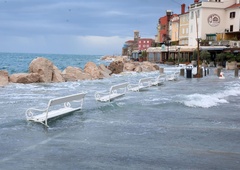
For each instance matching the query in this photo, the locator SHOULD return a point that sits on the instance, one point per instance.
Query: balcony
(227, 43)
(196, 5)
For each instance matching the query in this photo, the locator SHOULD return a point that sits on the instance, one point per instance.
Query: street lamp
(178, 54)
(198, 56)
(168, 14)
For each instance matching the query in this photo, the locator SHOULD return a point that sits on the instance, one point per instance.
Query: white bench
(114, 92)
(159, 80)
(142, 83)
(172, 76)
(56, 107)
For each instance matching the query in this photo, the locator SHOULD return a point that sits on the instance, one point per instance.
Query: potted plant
(205, 57)
(170, 61)
(231, 63)
(220, 58)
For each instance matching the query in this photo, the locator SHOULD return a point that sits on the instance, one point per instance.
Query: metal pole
(198, 53)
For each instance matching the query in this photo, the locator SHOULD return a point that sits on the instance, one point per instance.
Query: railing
(196, 5)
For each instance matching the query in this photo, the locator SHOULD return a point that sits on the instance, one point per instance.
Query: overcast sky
(78, 26)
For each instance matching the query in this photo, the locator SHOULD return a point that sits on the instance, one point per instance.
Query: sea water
(183, 124)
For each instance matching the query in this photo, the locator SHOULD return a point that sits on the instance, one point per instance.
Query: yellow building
(174, 30)
(183, 26)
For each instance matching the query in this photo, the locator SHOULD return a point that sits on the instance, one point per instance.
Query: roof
(233, 6)
(146, 39)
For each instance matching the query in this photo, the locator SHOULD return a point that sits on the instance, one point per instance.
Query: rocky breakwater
(42, 70)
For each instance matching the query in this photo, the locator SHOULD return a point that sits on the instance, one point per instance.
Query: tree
(205, 55)
(230, 57)
(220, 58)
(195, 55)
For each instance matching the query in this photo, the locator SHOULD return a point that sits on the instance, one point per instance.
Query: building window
(197, 13)
(183, 32)
(192, 15)
(232, 14)
(231, 28)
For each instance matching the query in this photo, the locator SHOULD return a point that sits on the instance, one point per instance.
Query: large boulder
(156, 66)
(92, 69)
(4, 79)
(116, 67)
(115, 58)
(121, 58)
(104, 68)
(105, 72)
(129, 66)
(43, 67)
(148, 67)
(138, 69)
(74, 73)
(57, 75)
(25, 78)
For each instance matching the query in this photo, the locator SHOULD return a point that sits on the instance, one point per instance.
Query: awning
(210, 34)
(213, 48)
(187, 49)
(154, 50)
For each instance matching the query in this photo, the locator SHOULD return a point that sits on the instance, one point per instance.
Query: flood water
(183, 124)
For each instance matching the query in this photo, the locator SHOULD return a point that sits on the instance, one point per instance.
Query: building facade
(145, 43)
(183, 26)
(208, 19)
(174, 30)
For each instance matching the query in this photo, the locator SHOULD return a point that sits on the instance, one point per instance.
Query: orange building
(164, 27)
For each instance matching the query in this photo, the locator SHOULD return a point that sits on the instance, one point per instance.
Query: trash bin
(189, 72)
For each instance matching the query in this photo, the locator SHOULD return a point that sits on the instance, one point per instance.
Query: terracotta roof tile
(233, 6)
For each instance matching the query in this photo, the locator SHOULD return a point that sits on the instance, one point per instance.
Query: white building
(209, 19)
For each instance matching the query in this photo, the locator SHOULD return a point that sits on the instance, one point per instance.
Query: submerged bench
(173, 75)
(142, 83)
(114, 92)
(159, 80)
(56, 107)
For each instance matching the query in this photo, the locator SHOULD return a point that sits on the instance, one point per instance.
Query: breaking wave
(211, 100)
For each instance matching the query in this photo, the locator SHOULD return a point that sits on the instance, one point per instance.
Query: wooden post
(218, 71)
(200, 72)
(182, 72)
(161, 70)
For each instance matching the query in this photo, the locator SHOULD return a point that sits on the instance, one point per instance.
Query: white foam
(210, 100)
(202, 100)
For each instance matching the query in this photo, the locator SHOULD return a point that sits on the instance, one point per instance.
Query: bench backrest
(118, 86)
(65, 99)
(145, 80)
(161, 76)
